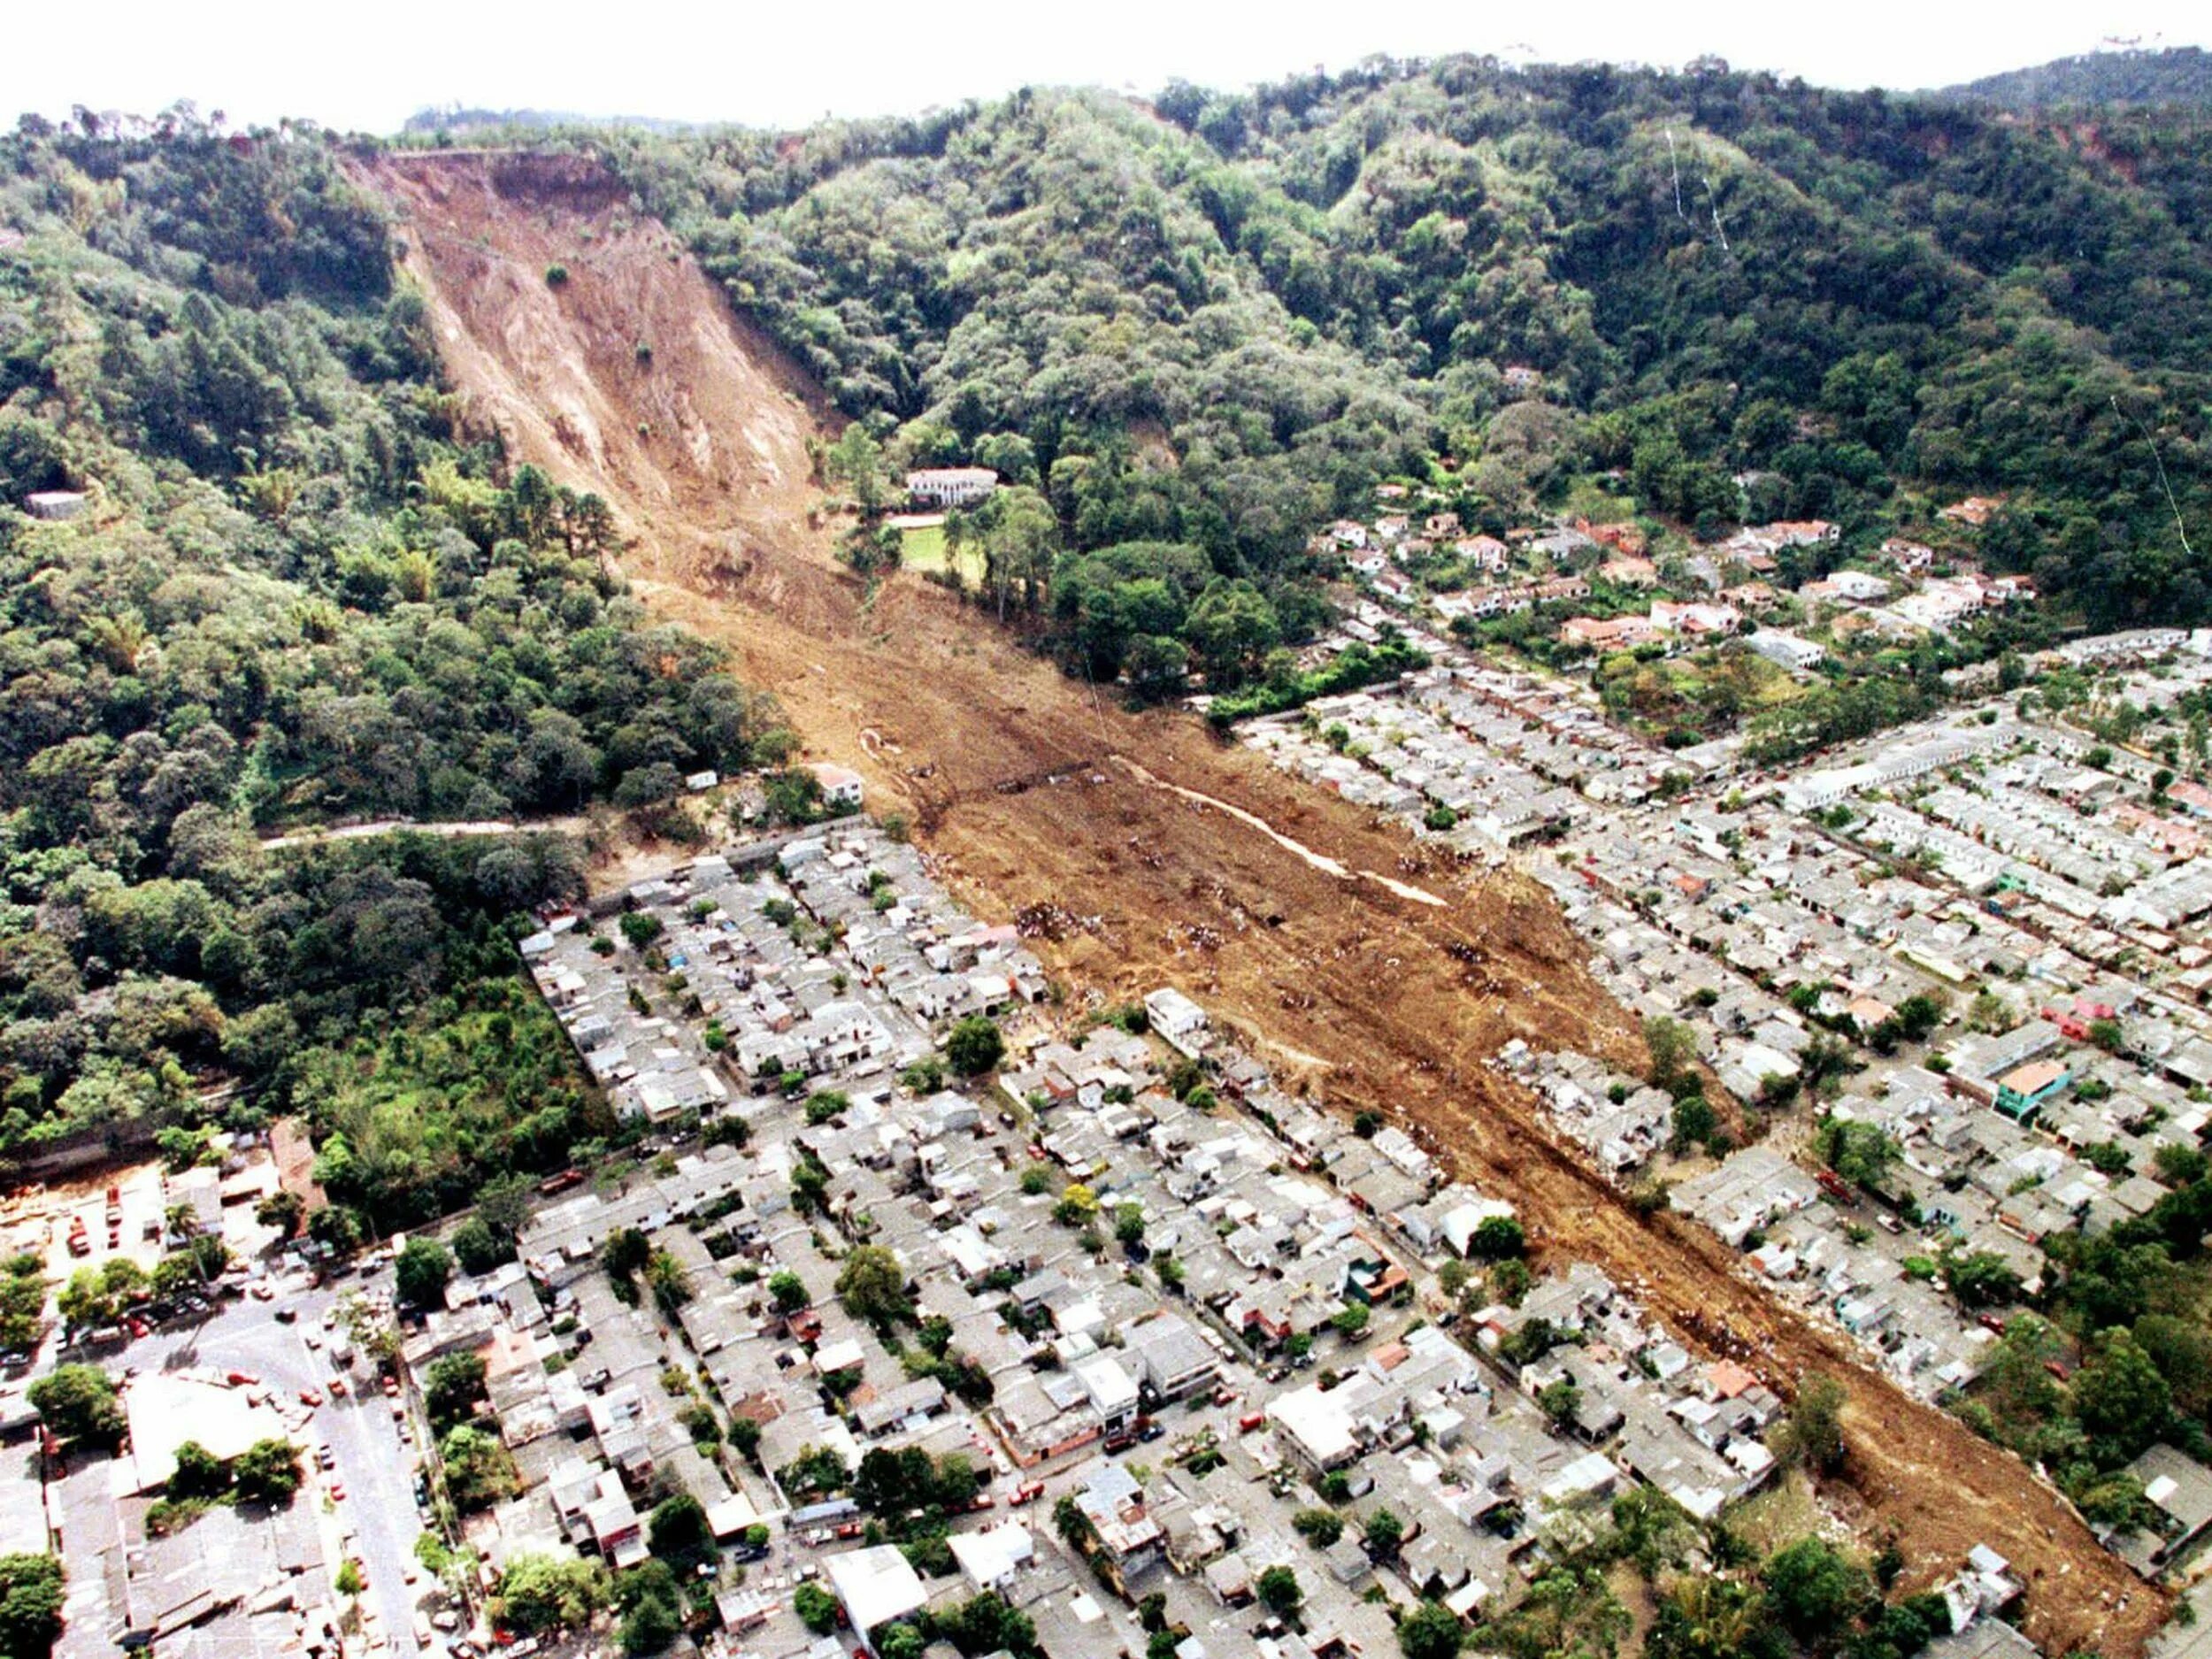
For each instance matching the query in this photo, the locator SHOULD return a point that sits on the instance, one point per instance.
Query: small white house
(842, 787)
(54, 505)
(1790, 651)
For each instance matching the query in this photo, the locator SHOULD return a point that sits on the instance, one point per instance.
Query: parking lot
(364, 1503)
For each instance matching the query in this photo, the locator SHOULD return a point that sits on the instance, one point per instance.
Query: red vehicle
(561, 1183)
(241, 1379)
(337, 1388)
(1029, 1494)
(310, 1398)
(1250, 1421)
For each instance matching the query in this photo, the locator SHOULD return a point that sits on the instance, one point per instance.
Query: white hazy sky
(367, 66)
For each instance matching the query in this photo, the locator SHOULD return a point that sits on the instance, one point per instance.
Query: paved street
(377, 1521)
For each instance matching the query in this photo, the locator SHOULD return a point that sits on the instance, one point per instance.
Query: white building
(1180, 1022)
(950, 486)
(1790, 651)
(842, 787)
(1857, 585)
(54, 505)
(995, 1558)
(874, 1586)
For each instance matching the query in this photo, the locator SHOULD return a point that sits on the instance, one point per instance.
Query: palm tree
(121, 638)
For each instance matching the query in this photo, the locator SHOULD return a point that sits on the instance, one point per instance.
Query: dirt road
(1187, 861)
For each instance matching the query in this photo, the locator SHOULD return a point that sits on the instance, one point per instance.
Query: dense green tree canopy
(1212, 321)
(299, 591)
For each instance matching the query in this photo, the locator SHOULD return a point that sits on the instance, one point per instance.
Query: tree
(97, 1296)
(974, 1046)
(873, 1285)
(451, 1386)
(1814, 1589)
(1383, 1533)
(199, 1473)
(985, 1624)
(30, 1605)
(1497, 1239)
(422, 1271)
(1280, 1593)
(651, 1625)
(1671, 1046)
(788, 1291)
(1694, 1122)
(347, 1581)
(680, 1533)
(478, 1471)
(1129, 1224)
(283, 1211)
(815, 1606)
(856, 461)
(2122, 1401)
(1859, 1152)
(624, 1253)
(543, 1593)
(2182, 1350)
(1560, 1400)
(670, 1284)
(478, 1247)
(1981, 1278)
(1813, 1433)
(1431, 1631)
(745, 1436)
(267, 1472)
(78, 1402)
(1319, 1527)
(1705, 1616)
(1351, 1321)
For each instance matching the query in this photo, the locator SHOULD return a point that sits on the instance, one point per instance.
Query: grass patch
(1785, 1511)
(924, 548)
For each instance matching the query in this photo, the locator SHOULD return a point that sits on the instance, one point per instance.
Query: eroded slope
(1009, 769)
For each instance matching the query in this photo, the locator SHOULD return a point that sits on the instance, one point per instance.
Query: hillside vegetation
(295, 593)
(2178, 74)
(1215, 321)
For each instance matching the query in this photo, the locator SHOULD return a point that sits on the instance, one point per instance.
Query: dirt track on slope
(1011, 772)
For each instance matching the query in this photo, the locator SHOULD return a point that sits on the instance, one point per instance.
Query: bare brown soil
(1363, 996)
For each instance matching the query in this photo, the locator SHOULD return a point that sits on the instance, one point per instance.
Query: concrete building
(875, 1586)
(950, 486)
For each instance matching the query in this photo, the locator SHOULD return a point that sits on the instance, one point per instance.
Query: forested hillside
(1217, 320)
(2178, 74)
(292, 593)
(1187, 332)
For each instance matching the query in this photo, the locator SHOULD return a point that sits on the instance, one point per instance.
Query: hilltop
(2175, 75)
